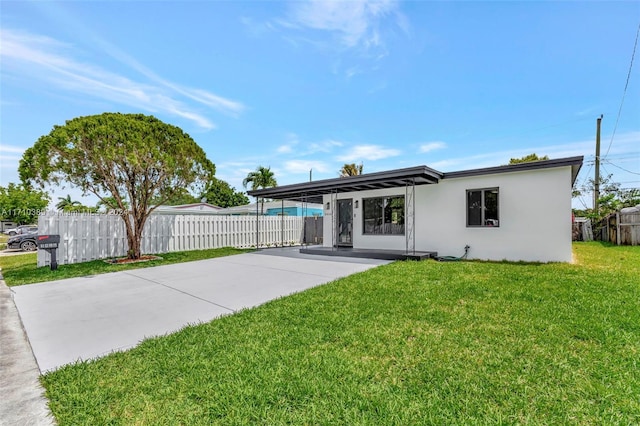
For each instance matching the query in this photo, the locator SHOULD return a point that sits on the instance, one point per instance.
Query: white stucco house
(519, 212)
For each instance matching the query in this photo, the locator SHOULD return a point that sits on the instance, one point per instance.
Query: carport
(314, 192)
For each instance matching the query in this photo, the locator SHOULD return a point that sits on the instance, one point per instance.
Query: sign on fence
(85, 237)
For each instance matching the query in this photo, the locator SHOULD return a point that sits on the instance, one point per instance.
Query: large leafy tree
(130, 157)
(528, 159)
(21, 204)
(352, 169)
(220, 193)
(262, 177)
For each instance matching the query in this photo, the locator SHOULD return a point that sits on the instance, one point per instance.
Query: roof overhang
(312, 192)
(574, 162)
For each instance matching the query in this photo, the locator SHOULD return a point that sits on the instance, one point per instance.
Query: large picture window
(482, 207)
(383, 216)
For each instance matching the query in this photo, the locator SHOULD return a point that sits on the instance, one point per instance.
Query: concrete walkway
(84, 318)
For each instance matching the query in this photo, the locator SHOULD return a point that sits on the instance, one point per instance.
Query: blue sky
(313, 85)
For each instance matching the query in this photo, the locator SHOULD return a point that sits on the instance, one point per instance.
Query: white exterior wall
(534, 210)
(392, 242)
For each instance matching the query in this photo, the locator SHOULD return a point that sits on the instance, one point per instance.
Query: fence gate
(621, 228)
(313, 230)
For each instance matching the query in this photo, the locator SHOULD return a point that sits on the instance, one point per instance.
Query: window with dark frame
(383, 215)
(482, 207)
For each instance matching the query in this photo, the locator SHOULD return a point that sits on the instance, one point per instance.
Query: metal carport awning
(312, 192)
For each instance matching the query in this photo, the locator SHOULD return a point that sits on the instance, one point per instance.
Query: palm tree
(66, 203)
(111, 203)
(262, 177)
(351, 170)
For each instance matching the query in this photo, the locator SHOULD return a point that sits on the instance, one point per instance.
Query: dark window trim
(482, 218)
(404, 207)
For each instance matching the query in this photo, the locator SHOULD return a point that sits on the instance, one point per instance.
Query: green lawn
(21, 269)
(406, 343)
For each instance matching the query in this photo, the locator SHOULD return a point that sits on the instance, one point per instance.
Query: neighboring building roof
(248, 209)
(419, 175)
(190, 208)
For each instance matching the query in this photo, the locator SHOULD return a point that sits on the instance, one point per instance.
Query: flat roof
(313, 191)
(574, 162)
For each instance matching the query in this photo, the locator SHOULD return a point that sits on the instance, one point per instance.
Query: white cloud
(431, 146)
(355, 30)
(9, 161)
(293, 144)
(53, 62)
(324, 146)
(285, 149)
(352, 72)
(368, 152)
(355, 23)
(13, 149)
(303, 166)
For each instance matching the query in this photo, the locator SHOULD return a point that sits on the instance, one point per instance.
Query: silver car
(22, 229)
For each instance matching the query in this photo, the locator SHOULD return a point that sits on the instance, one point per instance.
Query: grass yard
(406, 343)
(21, 269)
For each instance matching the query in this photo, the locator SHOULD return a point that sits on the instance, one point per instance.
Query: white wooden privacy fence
(85, 237)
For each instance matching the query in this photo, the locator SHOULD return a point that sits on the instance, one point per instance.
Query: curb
(23, 401)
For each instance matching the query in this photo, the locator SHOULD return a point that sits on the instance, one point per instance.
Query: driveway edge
(23, 401)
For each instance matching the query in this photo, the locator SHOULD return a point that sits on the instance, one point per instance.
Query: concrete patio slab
(84, 318)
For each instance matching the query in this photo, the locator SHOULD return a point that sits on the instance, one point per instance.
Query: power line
(615, 127)
(621, 168)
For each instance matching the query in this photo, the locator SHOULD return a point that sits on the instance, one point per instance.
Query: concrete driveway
(83, 318)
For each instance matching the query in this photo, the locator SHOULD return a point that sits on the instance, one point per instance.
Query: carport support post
(410, 217)
(305, 212)
(334, 220)
(257, 224)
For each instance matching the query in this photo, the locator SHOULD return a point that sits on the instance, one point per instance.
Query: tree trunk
(134, 251)
(134, 228)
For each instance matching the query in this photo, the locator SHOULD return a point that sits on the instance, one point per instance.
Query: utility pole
(596, 184)
(310, 174)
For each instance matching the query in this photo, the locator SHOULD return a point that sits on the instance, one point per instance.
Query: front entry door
(345, 223)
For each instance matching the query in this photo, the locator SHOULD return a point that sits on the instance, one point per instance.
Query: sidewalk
(22, 401)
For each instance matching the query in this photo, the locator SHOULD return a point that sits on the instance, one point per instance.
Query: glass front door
(345, 222)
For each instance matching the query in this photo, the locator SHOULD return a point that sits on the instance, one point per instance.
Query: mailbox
(50, 244)
(48, 241)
